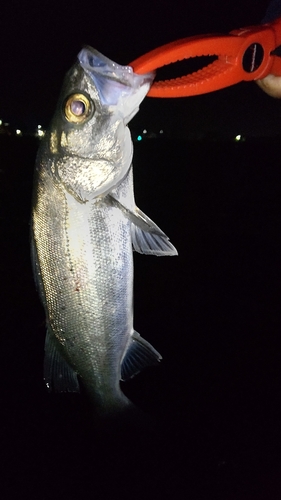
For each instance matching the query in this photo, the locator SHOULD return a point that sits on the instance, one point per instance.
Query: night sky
(213, 312)
(40, 40)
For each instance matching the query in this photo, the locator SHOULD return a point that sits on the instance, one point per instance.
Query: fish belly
(85, 267)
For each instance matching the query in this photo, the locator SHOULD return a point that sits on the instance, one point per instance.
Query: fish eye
(78, 108)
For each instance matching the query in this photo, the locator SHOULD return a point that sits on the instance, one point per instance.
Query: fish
(84, 227)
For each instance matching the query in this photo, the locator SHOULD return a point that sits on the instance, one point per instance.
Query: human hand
(271, 84)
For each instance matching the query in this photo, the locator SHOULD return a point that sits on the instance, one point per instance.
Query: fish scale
(85, 225)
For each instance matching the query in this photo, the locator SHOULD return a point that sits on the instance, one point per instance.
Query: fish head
(89, 140)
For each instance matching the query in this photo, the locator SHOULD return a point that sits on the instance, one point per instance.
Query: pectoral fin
(147, 237)
(151, 243)
(58, 375)
(139, 355)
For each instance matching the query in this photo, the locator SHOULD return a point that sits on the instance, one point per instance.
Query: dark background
(213, 312)
(40, 40)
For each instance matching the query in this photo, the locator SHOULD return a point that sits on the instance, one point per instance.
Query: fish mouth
(117, 85)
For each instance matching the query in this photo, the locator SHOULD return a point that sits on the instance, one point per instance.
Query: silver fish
(85, 225)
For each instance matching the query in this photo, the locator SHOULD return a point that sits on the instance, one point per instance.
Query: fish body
(84, 226)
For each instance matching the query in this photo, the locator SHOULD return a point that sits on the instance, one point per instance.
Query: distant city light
(18, 131)
(144, 131)
(139, 138)
(39, 127)
(238, 138)
(40, 133)
(1, 122)
(161, 131)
